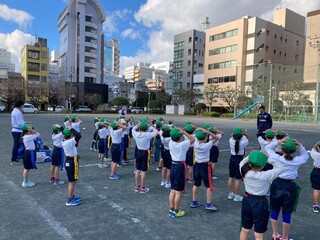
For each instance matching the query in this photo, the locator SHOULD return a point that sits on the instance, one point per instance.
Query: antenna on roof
(205, 24)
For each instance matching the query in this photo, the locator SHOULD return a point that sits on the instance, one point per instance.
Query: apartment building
(81, 47)
(112, 57)
(5, 61)
(252, 49)
(35, 72)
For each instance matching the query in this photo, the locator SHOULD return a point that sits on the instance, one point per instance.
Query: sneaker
(163, 183)
(58, 182)
(137, 189)
(91, 149)
(210, 207)
(180, 213)
(15, 162)
(189, 181)
(135, 171)
(126, 163)
(77, 198)
(168, 185)
(276, 237)
(237, 198)
(114, 177)
(28, 184)
(214, 177)
(231, 196)
(316, 208)
(72, 202)
(96, 150)
(172, 214)
(52, 180)
(159, 169)
(144, 190)
(194, 204)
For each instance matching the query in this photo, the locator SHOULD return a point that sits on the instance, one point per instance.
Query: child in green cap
(214, 151)
(255, 206)
(29, 156)
(238, 142)
(315, 176)
(67, 121)
(166, 157)
(190, 129)
(57, 155)
(283, 193)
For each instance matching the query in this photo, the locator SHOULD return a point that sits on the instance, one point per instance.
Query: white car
(136, 110)
(60, 109)
(83, 109)
(50, 108)
(29, 108)
(2, 108)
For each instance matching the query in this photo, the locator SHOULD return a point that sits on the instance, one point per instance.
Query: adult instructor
(264, 122)
(16, 121)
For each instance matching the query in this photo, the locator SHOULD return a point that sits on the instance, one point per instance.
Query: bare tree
(293, 92)
(38, 94)
(229, 96)
(11, 90)
(210, 93)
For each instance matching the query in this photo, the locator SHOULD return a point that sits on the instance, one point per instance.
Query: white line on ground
(31, 202)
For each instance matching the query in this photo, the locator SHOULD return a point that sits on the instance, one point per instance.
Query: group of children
(190, 154)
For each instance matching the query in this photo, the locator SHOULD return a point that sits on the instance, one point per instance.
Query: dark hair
(18, 103)
(263, 107)
(236, 146)
(288, 156)
(245, 169)
(279, 137)
(166, 134)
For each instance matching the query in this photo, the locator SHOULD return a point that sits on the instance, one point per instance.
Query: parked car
(2, 108)
(29, 108)
(83, 109)
(50, 108)
(136, 110)
(60, 109)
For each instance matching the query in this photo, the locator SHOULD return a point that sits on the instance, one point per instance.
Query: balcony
(92, 35)
(91, 45)
(90, 24)
(89, 54)
(91, 65)
(90, 75)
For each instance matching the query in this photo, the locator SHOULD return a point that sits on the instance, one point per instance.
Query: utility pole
(270, 86)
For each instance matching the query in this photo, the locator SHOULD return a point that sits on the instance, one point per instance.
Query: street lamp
(315, 44)
(148, 101)
(270, 86)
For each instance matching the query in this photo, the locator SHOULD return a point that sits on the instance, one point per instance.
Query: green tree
(120, 101)
(200, 107)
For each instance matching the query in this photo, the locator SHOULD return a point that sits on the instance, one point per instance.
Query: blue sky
(145, 28)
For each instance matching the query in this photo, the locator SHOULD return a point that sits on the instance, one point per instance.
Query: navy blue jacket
(264, 122)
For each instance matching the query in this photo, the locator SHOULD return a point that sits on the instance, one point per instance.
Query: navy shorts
(142, 160)
(214, 154)
(95, 136)
(315, 178)
(255, 211)
(202, 171)
(126, 140)
(103, 146)
(72, 168)
(29, 160)
(283, 195)
(234, 171)
(189, 156)
(115, 153)
(57, 156)
(178, 176)
(167, 160)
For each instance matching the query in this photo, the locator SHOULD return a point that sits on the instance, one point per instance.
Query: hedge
(211, 114)
(156, 111)
(189, 113)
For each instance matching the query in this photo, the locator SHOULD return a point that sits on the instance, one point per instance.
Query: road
(112, 210)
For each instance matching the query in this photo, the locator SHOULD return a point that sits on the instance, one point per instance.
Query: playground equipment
(244, 111)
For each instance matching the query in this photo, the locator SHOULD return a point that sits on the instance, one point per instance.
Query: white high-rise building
(112, 57)
(81, 48)
(5, 61)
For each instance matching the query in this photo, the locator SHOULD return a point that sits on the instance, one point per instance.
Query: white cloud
(130, 33)
(110, 25)
(166, 18)
(18, 16)
(14, 43)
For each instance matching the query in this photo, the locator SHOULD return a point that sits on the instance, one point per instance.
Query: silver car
(60, 109)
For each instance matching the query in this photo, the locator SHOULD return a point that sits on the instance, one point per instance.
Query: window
(189, 63)
(280, 53)
(295, 70)
(222, 79)
(286, 40)
(222, 65)
(43, 67)
(178, 54)
(33, 54)
(33, 78)
(188, 74)
(268, 32)
(223, 35)
(190, 39)
(274, 51)
(275, 36)
(196, 52)
(44, 54)
(189, 52)
(297, 43)
(281, 38)
(296, 57)
(227, 49)
(34, 67)
(188, 85)
(43, 79)
(285, 54)
(178, 45)
(88, 18)
(196, 40)
(200, 65)
(267, 48)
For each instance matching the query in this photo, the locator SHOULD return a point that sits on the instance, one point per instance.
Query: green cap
(289, 145)
(280, 133)
(212, 129)
(237, 132)
(189, 129)
(158, 123)
(175, 134)
(318, 143)
(24, 127)
(161, 119)
(54, 128)
(66, 118)
(132, 118)
(206, 126)
(165, 128)
(114, 125)
(188, 123)
(101, 119)
(144, 126)
(67, 133)
(200, 135)
(73, 118)
(257, 159)
(269, 134)
(170, 121)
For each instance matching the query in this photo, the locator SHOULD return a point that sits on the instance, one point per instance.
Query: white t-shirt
(67, 124)
(165, 142)
(202, 151)
(76, 126)
(178, 150)
(17, 120)
(103, 133)
(316, 157)
(263, 143)
(143, 138)
(115, 135)
(57, 139)
(28, 141)
(69, 147)
(242, 145)
(258, 183)
(96, 125)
